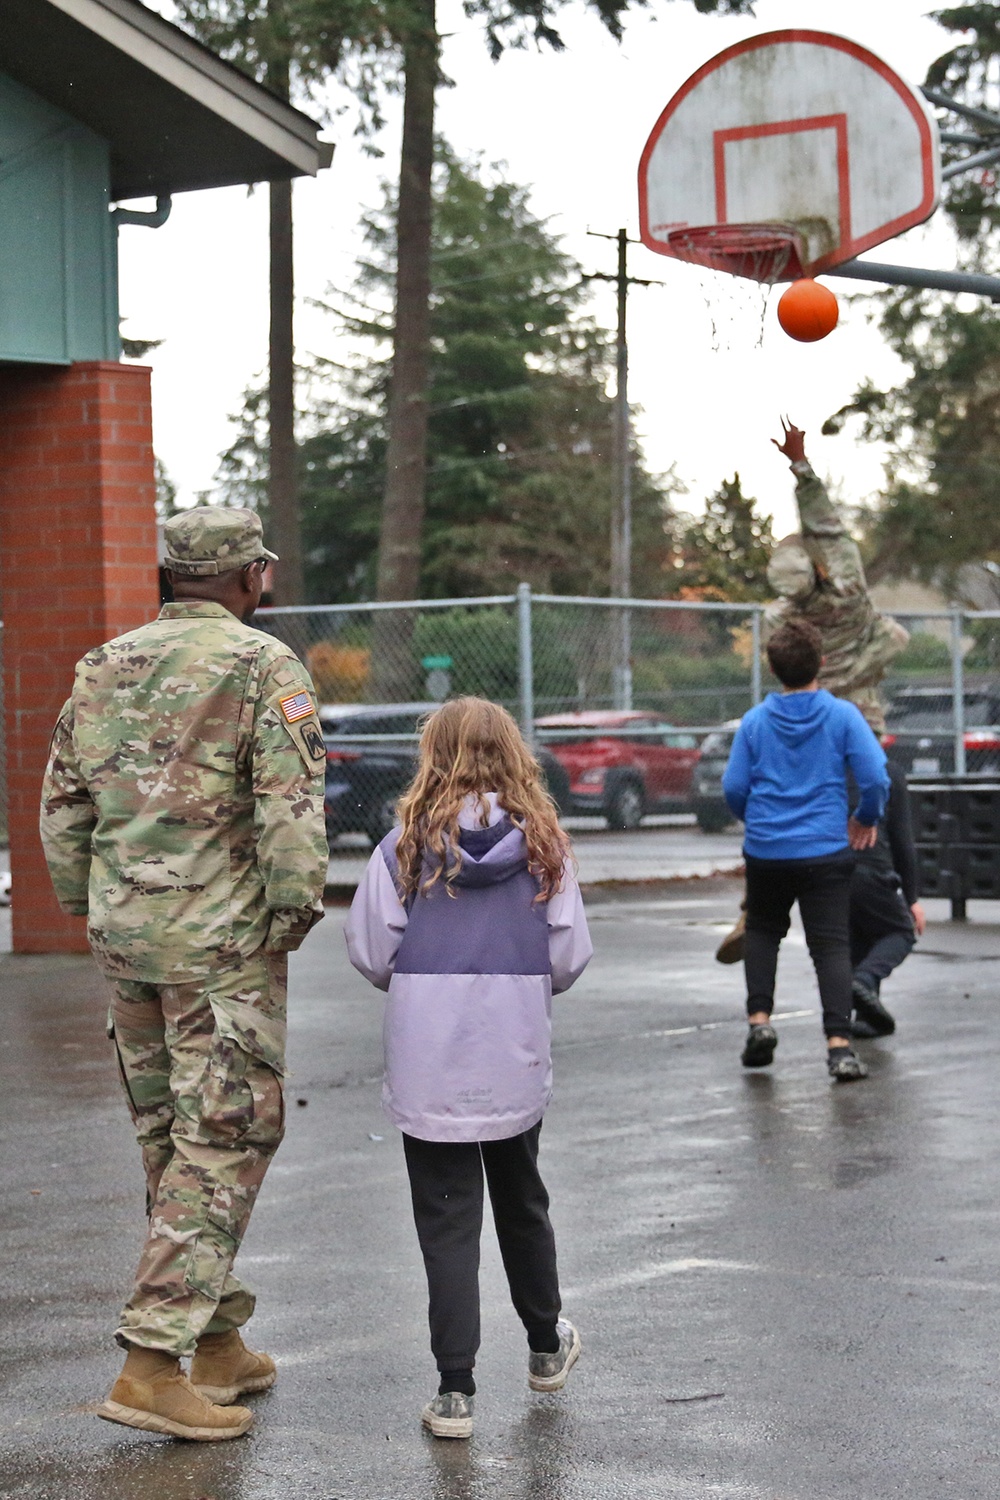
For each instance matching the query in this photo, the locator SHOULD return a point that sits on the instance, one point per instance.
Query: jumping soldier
(182, 813)
(818, 576)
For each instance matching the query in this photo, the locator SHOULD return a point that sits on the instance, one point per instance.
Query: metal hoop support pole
(755, 666)
(958, 689)
(525, 663)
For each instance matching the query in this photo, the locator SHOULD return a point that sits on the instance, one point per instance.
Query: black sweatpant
(882, 931)
(822, 888)
(446, 1184)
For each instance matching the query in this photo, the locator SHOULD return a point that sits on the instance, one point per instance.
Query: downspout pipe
(151, 219)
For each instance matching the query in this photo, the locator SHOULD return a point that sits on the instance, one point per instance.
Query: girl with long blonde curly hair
(470, 916)
(469, 748)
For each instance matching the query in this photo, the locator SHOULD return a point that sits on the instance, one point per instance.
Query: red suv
(623, 763)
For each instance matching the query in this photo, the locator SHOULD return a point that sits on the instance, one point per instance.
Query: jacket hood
(796, 717)
(491, 853)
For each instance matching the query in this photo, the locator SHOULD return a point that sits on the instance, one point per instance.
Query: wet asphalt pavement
(787, 1290)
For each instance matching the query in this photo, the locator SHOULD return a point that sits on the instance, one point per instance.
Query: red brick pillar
(77, 567)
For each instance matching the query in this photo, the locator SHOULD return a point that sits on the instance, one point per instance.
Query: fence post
(525, 662)
(755, 683)
(958, 689)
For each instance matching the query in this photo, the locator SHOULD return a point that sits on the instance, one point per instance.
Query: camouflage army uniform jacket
(858, 642)
(182, 808)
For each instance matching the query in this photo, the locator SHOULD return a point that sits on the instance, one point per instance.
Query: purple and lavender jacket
(468, 1022)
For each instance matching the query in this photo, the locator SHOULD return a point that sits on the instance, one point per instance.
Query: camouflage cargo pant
(201, 1066)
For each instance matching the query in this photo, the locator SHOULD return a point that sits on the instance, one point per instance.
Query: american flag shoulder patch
(297, 706)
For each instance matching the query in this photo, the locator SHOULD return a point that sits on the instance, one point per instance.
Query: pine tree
(942, 424)
(506, 23)
(724, 553)
(520, 423)
(280, 40)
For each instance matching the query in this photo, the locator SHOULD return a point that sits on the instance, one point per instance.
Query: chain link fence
(679, 671)
(538, 654)
(567, 668)
(943, 695)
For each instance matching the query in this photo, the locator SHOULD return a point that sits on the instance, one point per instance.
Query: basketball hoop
(761, 252)
(786, 155)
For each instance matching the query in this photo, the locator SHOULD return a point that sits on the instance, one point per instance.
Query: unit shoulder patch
(312, 739)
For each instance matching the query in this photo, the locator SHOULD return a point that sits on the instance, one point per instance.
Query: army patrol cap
(790, 572)
(212, 539)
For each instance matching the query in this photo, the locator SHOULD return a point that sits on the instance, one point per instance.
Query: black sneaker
(869, 1009)
(861, 1030)
(844, 1065)
(760, 1044)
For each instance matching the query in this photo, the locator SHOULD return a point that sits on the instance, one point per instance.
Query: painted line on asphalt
(654, 1270)
(642, 1036)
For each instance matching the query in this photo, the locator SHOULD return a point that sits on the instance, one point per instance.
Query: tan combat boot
(730, 950)
(153, 1393)
(224, 1368)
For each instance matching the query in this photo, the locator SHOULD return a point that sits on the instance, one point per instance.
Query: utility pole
(282, 489)
(284, 517)
(621, 509)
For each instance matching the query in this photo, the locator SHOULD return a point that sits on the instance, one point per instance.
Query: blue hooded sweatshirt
(786, 775)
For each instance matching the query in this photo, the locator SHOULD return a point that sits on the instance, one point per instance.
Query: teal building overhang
(103, 100)
(58, 266)
(176, 116)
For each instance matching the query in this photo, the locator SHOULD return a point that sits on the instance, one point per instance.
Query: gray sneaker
(547, 1372)
(449, 1415)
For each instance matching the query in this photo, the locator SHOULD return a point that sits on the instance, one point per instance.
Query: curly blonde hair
(470, 747)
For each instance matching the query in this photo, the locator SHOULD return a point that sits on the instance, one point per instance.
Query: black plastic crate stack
(956, 828)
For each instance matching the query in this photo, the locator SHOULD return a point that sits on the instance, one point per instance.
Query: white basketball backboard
(787, 154)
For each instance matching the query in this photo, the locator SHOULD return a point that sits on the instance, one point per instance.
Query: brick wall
(77, 566)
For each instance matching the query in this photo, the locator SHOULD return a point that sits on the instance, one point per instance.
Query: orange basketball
(808, 311)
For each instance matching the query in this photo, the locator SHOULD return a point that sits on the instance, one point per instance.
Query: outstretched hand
(794, 445)
(859, 835)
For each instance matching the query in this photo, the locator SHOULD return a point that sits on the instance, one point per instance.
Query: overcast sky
(572, 127)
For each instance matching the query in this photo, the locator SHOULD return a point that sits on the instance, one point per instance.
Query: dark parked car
(623, 764)
(709, 804)
(919, 731)
(371, 755)
(370, 758)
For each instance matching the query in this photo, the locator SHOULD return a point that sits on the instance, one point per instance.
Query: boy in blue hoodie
(786, 779)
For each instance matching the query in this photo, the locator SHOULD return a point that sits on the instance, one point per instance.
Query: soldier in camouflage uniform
(182, 813)
(818, 576)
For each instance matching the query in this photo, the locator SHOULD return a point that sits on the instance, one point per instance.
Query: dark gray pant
(881, 924)
(446, 1184)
